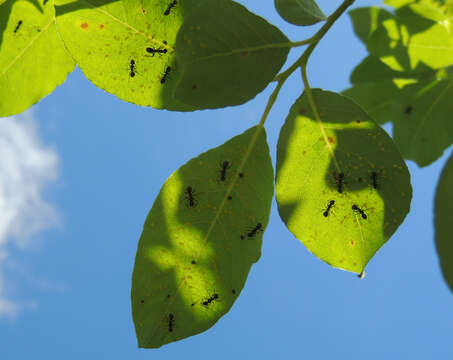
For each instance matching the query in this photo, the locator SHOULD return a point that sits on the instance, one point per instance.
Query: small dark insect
(171, 320)
(360, 211)
(408, 110)
(241, 175)
(142, 301)
(230, 197)
(19, 23)
(193, 262)
(331, 203)
(164, 78)
(190, 197)
(210, 299)
(224, 166)
(340, 181)
(359, 179)
(132, 68)
(374, 179)
(168, 296)
(233, 291)
(258, 228)
(170, 6)
(153, 51)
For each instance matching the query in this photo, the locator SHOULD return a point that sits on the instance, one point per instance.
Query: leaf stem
(303, 65)
(281, 78)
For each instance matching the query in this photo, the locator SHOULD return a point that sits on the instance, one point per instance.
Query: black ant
(210, 299)
(19, 23)
(408, 110)
(258, 228)
(374, 179)
(153, 51)
(360, 211)
(170, 6)
(164, 78)
(331, 203)
(225, 165)
(190, 197)
(132, 68)
(171, 320)
(340, 181)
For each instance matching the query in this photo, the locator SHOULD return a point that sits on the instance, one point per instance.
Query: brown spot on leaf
(244, 53)
(84, 25)
(101, 26)
(331, 140)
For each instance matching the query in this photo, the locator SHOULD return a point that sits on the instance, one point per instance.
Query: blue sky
(65, 275)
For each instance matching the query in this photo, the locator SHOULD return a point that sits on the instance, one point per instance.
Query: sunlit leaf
(33, 60)
(299, 12)
(342, 186)
(198, 245)
(405, 39)
(127, 47)
(226, 54)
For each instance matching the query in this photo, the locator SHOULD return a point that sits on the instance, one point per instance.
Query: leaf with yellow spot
(198, 243)
(342, 187)
(33, 60)
(126, 48)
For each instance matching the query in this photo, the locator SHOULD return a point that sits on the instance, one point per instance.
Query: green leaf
(349, 163)
(109, 40)
(299, 12)
(33, 60)
(418, 103)
(404, 40)
(443, 221)
(386, 94)
(424, 132)
(227, 55)
(197, 242)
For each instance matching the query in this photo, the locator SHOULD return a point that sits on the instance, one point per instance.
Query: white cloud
(26, 167)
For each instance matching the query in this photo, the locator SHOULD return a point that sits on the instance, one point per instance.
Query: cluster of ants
(191, 202)
(206, 302)
(154, 51)
(340, 183)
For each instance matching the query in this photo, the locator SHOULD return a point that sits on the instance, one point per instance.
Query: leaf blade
(193, 252)
(220, 48)
(30, 49)
(299, 12)
(363, 216)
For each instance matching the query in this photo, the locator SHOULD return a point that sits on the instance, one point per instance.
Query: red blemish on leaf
(84, 25)
(352, 242)
(331, 140)
(244, 53)
(101, 26)
(357, 121)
